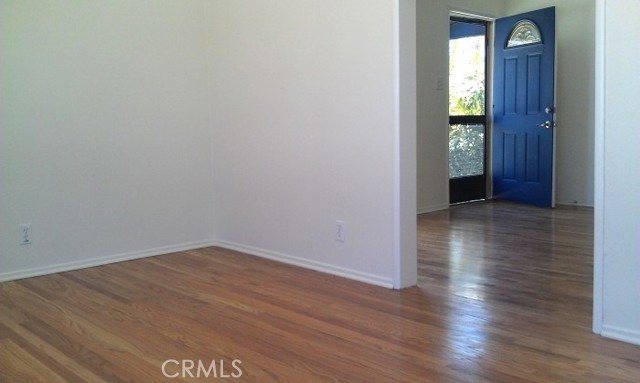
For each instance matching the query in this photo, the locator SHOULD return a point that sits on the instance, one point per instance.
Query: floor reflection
(505, 269)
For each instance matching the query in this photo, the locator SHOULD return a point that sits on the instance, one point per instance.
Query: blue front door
(523, 114)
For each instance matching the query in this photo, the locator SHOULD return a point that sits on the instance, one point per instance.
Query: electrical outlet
(340, 231)
(25, 234)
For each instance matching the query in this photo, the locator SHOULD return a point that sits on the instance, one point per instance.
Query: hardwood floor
(504, 295)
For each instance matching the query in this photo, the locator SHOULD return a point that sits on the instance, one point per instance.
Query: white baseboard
(561, 203)
(432, 208)
(310, 264)
(621, 334)
(280, 257)
(85, 263)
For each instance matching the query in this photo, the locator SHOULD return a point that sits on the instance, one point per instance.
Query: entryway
(467, 109)
(519, 163)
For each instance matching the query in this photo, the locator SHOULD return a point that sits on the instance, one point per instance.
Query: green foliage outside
(466, 150)
(466, 97)
(466, 76)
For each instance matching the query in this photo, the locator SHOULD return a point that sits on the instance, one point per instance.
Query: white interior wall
(485, 8)
(303, 113)
(109, 119)
(575, 82)
(102, 117)
(617, 234)
(432, 116)
(405, 234)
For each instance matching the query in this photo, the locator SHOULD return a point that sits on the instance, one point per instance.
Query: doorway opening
(468, 44)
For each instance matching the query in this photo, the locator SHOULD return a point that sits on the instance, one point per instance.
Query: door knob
(547, 125)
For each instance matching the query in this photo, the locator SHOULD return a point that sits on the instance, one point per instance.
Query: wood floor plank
(504, 295)
(64, 366)
(23, 367)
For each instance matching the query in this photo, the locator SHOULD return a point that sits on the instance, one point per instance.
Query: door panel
(534, 76)
(522, 158)
(532, 173)
(509, 156)
(510, 82)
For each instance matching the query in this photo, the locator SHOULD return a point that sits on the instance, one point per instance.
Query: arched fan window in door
(525, 32)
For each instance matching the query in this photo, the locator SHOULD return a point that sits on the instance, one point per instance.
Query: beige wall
(303, 118)
(102, 118)
(132, 128)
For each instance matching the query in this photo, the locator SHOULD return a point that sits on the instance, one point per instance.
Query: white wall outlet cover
(340, 231)
(25, 234)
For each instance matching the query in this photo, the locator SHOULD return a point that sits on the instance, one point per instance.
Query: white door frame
(598, 235)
